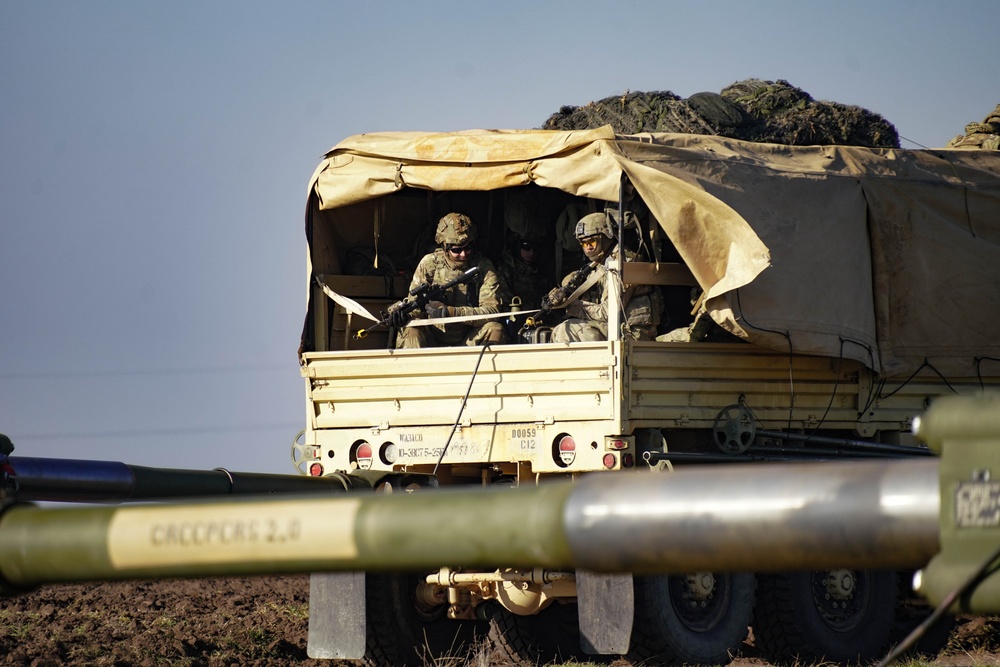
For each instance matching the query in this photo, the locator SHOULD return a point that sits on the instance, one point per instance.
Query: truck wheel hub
(701, 585)
(840, 584)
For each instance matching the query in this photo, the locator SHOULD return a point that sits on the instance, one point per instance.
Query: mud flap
(336, 616)
(605, 603)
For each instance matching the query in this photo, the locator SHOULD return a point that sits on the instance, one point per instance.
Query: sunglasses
(525, 245)
(460, 249)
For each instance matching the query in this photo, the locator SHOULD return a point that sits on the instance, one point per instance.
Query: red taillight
(567, 450)
(628, 460)
(609, 461)
(363, 455)
(316, 470)
(618, 444)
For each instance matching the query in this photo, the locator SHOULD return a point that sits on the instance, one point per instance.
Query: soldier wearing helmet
(523, 272)
(588, 314)
(456, 234)
(594, 234)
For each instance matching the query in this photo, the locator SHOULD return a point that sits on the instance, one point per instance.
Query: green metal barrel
(767, 517)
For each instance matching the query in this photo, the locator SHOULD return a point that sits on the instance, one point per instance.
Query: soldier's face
(459, 254)
(527, 251)
(593, 246)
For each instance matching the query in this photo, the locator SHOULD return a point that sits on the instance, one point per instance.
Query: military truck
(846, 289)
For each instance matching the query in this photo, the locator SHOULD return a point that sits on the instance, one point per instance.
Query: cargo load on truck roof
(889, 257)
(752, 110)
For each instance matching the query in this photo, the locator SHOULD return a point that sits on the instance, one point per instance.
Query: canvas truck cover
(886, 256)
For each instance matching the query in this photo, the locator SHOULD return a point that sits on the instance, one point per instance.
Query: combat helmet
(593, 224)
(455, 229)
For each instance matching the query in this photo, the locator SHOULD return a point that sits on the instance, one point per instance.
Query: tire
(701, 618)
(551, 635)
(399, 634)
(838, 616)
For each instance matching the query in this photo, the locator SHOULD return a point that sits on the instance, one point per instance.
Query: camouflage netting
(984, 135)
(752, 110)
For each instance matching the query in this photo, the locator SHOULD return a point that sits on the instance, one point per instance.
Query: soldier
(522, 273)
(589, 313)
(481, 296)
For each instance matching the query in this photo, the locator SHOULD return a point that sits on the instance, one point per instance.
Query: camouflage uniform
(589, 313)
(985, 135)
(480, 296)
(523, 280)
(702, 329)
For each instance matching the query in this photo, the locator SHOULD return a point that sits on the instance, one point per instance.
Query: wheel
(299, 458)
(840, 616)
(402, 632)
(734, 429)
(551, 635)
(511, 636)
(698, 618)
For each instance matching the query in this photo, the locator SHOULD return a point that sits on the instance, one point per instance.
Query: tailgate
(421, 387)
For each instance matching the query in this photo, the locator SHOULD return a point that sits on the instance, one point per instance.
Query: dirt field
(238, 621)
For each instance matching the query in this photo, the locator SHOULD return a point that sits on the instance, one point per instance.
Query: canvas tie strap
(465, 318)
(591, 280)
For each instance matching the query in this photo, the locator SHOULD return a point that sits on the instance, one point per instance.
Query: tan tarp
(886, 256)
(725, 253)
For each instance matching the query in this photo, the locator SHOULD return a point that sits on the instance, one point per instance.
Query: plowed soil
(254, 621)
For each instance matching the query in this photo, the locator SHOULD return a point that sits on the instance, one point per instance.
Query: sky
(154, 160)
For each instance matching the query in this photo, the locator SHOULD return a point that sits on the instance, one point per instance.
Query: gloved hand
(554, 299)
(435, 309)
(397, 318)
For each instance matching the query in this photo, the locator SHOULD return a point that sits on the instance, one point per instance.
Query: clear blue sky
(154, 158)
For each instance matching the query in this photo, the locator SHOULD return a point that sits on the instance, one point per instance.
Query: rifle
(421, 295)
(559, 297)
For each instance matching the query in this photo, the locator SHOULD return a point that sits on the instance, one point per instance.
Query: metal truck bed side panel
(686, 385)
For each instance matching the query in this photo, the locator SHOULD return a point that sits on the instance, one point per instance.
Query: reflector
(363, 455)
(567, 450)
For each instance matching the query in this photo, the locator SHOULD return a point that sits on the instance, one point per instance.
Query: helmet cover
(593, 224)
(455, 229)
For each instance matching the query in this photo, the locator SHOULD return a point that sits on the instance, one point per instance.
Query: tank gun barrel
(769, 517)
(70, 480)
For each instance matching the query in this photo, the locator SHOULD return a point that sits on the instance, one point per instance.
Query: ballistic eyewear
(459, 249)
